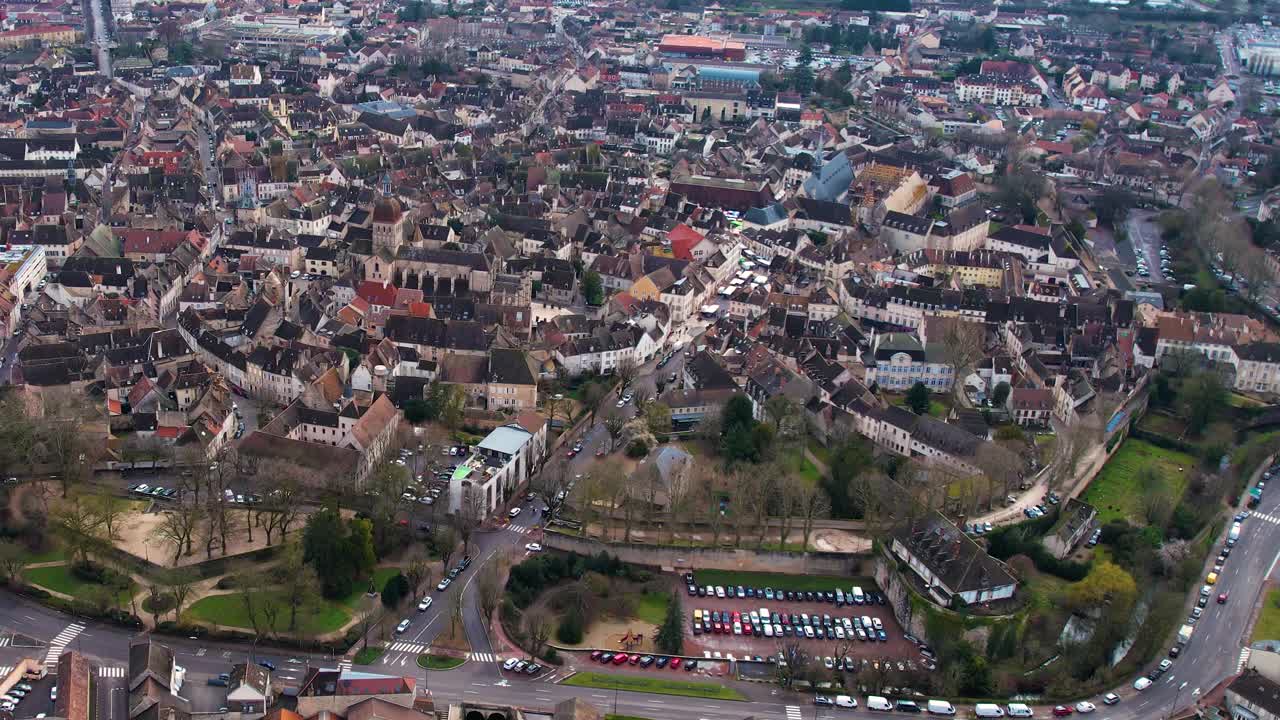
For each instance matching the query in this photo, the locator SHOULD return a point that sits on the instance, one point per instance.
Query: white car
(426, 603)
(510, 663)
(443, 584)
(622, 403)
(1141, 684)
(404, 625)
(533, 547)
(1084, 706)
(514, 512)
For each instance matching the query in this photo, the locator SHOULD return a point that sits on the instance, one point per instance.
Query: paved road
(1144, 241)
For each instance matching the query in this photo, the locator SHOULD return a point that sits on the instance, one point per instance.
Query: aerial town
(671, 360)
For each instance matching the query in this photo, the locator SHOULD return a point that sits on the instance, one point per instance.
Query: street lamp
(1173, 707)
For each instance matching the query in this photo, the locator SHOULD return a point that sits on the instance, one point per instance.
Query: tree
(418, 571)
(78, 526)
(394, 591)
(794, 662)
(1202, 396)
(963, 345)
(12, 559)
(180, 583)
(340, 552)
(593, 396)
(641, 394)
(552, 405)
(178, 527)
(445, 542)
(537, 626)
(812, 503)
(1000, 394)
(626, 372)
(918, 399)
(489, 589)
(783, 411)
(614, 422)
(657, 417)
(64, 435)
(593, 288)
(1002, 466)
(1106, 584)
(472, 513)
(670, 638)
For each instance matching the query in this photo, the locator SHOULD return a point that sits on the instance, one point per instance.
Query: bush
(570, 630)
(552, 657)
(528, 579)
(394, 591)
(1024, 539)
(227, 582)
(1009, 432)
(637, 448)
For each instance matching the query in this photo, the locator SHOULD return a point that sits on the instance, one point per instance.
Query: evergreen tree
(670, 638)
(918, 399)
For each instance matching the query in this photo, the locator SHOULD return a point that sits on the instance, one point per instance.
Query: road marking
(1244, 658)
(344, 666)
(1268, 518)
(482, 657)
(60, 642)
(201, 652)
(793, 712)
(4, 641)
(111, 672)
(408, 647)
(6, 669)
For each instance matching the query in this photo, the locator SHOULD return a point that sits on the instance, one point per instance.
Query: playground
(630, 635)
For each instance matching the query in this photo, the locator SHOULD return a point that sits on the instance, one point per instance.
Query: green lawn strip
(229, 611)
(658, 686)
(1268, 626)
(368, 655)
(780, 580)
(820, 451)
(59, 578)
(55, 554)
(652, 607)
(1115, 492)
(438, 662)
(380, 577)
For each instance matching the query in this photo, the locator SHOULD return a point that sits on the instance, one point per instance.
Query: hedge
(1024, 539)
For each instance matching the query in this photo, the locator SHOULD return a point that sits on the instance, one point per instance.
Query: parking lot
(822, 628)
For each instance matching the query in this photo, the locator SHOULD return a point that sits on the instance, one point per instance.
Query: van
(1018, 710)
(875, 702)
(858, 597)
(845, 701)
(906, 706)
(988, 710)
(940, 707)
(867, 624)
(764, 612)
(839, 597)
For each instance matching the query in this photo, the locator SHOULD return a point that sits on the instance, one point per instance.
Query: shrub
(637, 448)
(394, 591)
(570, 630)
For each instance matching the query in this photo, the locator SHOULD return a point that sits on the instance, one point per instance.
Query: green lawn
(368, 655)
(58, 578)
(1115, 490)
(53, 554)
(1268, 627)
(380, 577)
(780, 580)
(652, 607)
(796, 462)
(229, 611)
(654, 685)
(438, 662)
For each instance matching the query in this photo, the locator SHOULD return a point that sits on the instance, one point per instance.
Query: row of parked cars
(155, 492)
(800, 625)
(837, 597)
(521, 666)
(644, 661)
(942, 707)
(10, 700)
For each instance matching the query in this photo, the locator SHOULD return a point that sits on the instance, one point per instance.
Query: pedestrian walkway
(519, 529)
(344, 666)
(1268, 518)
(60, 642)
(111, 672)
(4, 641)
(1244, 658)
(407, 647)
(5, 670)
(793, 712)
(482, 657)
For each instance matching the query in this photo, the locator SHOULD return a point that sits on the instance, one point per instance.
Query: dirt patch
(839, 541)
(138, 537)
(614, 634)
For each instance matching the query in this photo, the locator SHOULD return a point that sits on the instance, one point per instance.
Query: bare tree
(470, 515)
(552, 405)
(64, 435)
(109, 509)
(77, 524)
(445, 541)
(13, 558)
(793, 662)
(593, 397)
(455, 613)
(963, 345)
(1000, 465)
(1258, 277)
(177, 528)
(418, 571)
(181, 583)
(641, 394)
(300, 589)
(613, 487)
(812, 503)
(626, 372)
(551, 479)
(784, 413)
(614, 422)
(489, 589)
(538, 624)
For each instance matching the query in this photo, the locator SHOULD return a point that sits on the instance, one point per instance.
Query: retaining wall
(694, 558)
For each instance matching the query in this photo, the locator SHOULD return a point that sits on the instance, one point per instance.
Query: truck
(1184, 634)
(1255, 497)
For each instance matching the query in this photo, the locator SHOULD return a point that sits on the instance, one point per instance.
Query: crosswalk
(793, 712)
(482, 657)
(4, 641)
(344, 666)
(1244, 658)
(111, 672)
(1268, 518)
(5, 670)
(60, 642)
(408, 647)
(519, 529)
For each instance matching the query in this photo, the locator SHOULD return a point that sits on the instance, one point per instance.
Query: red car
(634, 660)
(1222, 598)
(619, 658)
(1061, 711)
(675, 663)
(595, 654)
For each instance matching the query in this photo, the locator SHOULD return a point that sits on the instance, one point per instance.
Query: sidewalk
(1089, 466)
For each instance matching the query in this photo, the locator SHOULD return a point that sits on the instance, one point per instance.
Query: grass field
(368, 656)
(1268, 627)
(780, 580)
(653, 685)
(58, 578)
(438, 662)
(798, 463)
(1115, 490)
(652, 607)
(53, 554)
(229, 611)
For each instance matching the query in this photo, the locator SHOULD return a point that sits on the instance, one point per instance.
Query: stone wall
(690, 558)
